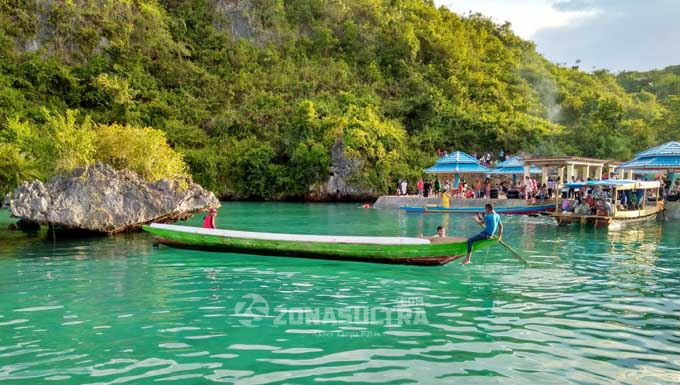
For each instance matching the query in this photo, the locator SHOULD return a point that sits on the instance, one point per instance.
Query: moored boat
(394, 250)
(515, 210)
(615, 202)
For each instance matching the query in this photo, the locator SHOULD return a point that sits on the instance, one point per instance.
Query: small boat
(517, 210)
(613, 190)
(394, 250)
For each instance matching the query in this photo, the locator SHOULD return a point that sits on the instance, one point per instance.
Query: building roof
(662, 157)
(562, 161)
(671, 148)
(514, 165)
(457, 163)
(626, 184)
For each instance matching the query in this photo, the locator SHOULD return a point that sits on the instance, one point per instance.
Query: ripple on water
(39, 308)
(174, 345)
(595, 307)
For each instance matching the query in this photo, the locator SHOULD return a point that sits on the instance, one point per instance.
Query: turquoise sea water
(595, 307)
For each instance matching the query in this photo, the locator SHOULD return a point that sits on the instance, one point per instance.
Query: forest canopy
(252, 95)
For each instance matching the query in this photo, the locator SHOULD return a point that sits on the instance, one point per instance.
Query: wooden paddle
(510, 249)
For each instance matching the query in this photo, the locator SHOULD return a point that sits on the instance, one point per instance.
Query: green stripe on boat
(400, 250)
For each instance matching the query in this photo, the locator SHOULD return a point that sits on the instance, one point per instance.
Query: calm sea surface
(595, 307)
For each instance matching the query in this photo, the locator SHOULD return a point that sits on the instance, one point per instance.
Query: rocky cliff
(101, 199)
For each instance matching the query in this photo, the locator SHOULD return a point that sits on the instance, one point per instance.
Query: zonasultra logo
(254, 310)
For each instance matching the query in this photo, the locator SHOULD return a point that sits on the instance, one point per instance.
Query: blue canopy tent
(457, 163)
(514, 166)
(662, 157)
(665, 157)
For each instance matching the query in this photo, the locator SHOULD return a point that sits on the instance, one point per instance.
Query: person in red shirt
(209, 220)
(591, 202)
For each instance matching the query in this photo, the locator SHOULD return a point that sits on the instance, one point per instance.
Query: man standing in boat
(492, 224)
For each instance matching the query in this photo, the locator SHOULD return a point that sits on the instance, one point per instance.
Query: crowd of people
(488, 188)
(595, 201)
(436, 187)
(486, 159)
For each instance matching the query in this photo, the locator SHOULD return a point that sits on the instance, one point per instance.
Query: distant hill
(257, 93)
(665, 86)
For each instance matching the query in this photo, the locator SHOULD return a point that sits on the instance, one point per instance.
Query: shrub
(142, 150)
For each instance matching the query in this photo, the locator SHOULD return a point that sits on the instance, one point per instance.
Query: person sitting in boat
(623, 200)
(566, 205)
(609, 207)
(209, 220)
(492, 224)
(598, 193)
(632, 200)
(581, 207)
(590, 200)
(640, 195)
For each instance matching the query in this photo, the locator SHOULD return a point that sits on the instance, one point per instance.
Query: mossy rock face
(101, 199)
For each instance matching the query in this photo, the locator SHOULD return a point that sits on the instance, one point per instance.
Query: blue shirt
(491, 221)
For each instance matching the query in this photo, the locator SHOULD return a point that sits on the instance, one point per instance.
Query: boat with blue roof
(602, 203)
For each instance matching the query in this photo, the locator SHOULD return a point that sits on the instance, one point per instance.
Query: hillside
(665, 86)
(256, 94)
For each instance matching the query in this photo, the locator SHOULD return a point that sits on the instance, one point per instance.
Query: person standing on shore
(404, 185)
(420, 186)
(209, 220)
(446, 202)
(527, 188)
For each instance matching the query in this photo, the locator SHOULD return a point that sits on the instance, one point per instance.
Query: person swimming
(441, 233)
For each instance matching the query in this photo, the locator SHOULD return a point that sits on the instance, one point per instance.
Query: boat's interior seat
(296, 237)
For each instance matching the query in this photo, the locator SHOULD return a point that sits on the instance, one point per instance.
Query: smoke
(549, 94)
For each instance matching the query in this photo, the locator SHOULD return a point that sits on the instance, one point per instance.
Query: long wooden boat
(395, 250)
(620, 216)
(516, 210)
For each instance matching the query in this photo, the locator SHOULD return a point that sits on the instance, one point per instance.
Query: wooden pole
(510, 249)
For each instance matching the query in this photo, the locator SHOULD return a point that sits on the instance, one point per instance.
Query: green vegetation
(664, 85)
(65, 142)
(142, 150)
(255, 93)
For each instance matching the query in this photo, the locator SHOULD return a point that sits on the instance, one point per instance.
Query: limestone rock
(101, 199)
(338, 187)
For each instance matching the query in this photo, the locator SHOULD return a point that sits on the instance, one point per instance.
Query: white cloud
(526, 16)
(612, 34)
